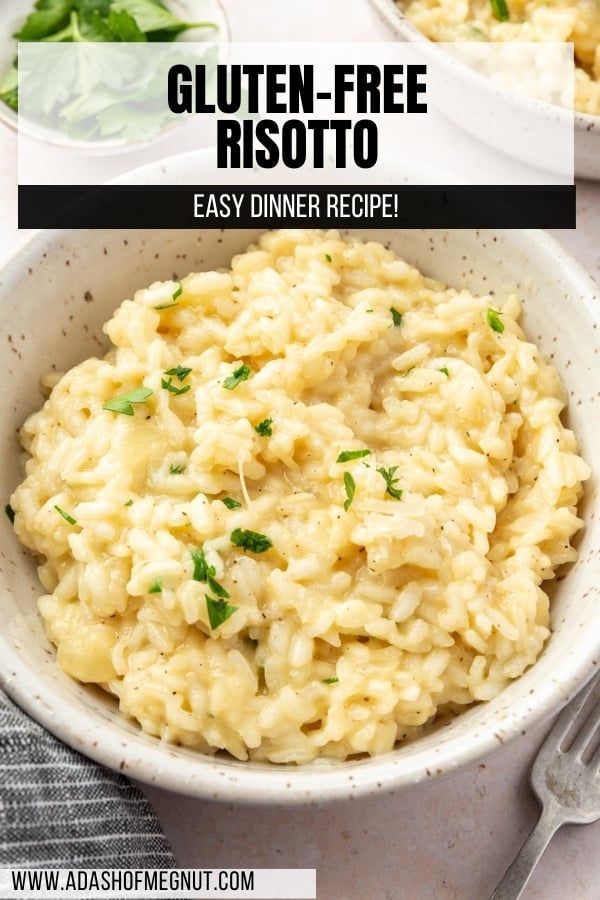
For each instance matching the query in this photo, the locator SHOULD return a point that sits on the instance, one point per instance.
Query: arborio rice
(572, 21)
(317, 511)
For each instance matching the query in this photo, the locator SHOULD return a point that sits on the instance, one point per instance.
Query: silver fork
(566, 780)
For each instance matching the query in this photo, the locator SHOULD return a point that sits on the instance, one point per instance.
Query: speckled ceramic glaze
(587, 127)
(56, 293)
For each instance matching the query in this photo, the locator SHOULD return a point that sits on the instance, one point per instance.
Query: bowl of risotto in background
(314, 527)
(571, 21)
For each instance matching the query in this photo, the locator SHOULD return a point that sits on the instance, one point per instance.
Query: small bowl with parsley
(97, 117)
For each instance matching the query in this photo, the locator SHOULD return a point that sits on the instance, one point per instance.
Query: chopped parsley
(167, 384)
(218, 611)
(206, 573)
(174, 297)
(180, 372)
(494, 320)
(177, 468)
(347, 455)
(242, 373)
(250, 540)
(332, 680)
(129, 503)
(396, 316)
(70, 519)
(264, 428)
(328, 257)
(230, 503)
(390, 481)
(10, 513)
(155, 587)
(500, 10)
(445, 371)
(123, 403)
(350, 485)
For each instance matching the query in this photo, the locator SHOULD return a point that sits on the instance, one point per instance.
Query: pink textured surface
(451, 839)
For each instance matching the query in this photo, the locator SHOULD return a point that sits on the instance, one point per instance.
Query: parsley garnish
(250, 540)
(242, 373)
(177, 468)
(123, 403)
(218, 611)
(230, 503)
(10, 513)
(347, 455)
(264, 428)
(156, 587)
(494, 320)
(396, 316)
(444, 369)
(206, 573)
(328, 257)
(167, 384)
(70, 519)
(180, 372)
(350, 485)
(332, 680)
(390, 481)
(129, 503)
(500, 10)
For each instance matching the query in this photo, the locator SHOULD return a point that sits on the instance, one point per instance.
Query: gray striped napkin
(61, 810)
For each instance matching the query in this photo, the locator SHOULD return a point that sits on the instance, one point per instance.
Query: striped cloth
(61, 810)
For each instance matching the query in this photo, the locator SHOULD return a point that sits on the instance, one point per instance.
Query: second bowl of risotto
(308, 521)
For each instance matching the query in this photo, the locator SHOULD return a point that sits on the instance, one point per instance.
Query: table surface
(442, 840)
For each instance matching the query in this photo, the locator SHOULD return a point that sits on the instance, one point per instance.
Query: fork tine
(587, 731)
(571, 713)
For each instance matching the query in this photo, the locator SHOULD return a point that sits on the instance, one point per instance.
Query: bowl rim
(149, 760)
(392, 15)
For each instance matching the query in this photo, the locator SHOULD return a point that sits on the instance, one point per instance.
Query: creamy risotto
(572, 21)
(303, 505)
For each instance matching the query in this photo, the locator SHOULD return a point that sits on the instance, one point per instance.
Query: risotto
(303, 506)
(571, 21)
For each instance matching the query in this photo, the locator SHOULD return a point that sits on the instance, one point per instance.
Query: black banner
(379, 206)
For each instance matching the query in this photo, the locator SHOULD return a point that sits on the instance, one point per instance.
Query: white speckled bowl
(56, 292)
(587, 127)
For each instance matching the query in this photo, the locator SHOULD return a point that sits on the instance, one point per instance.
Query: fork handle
(519, 872)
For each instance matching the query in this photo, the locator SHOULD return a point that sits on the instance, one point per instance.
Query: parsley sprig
(350, 486)
(230, 503)
(494, 320)
(204, 572)
(347, 455)
(218, 611)
(250, 540)
(167, 384)
(390, 481)
(180, 372)
(264, 428)
(123, 403)
(242, 373)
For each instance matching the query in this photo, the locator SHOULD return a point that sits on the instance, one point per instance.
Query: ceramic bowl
(56, 292)
(587, 127)
(14, 13)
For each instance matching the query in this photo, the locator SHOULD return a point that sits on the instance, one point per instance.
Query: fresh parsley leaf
(149, 16)
(396, 316)
(328, 257)
(10, 513)
(129, 503)
(242, 373)
(250, 540)
(8, 88)
(45, 20)
(264, 428)
(444, 369)
(494, 320)
(332, 680)
(124, 27)
(500, 10)
(347, 455)
(350, 485)
(177, 468)
(230, 503)
(218, 611)
(206, 573)
(390, 481)
(180, 372)
(123, 403)
(70, 519)
(167, 384)
(156, 587)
